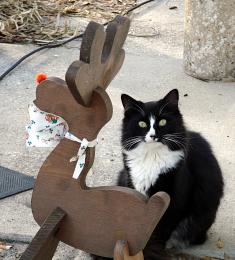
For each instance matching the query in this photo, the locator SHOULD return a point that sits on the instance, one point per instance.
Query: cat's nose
(153, 137)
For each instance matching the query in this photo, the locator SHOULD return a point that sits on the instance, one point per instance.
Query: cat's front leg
(176, 242)
(124, 179)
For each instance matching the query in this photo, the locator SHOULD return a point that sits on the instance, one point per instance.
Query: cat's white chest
(147, 161)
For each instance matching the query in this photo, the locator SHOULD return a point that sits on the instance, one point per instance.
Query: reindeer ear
(130, 103)
(172, 97)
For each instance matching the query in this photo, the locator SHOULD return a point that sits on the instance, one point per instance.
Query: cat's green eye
(162, 122)
(142, 124)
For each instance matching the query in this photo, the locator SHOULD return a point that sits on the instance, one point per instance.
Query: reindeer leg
(121, 252)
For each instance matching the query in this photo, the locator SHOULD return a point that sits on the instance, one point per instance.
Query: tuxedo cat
(160, 154)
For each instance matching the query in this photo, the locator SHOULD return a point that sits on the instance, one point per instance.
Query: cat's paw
(174, 243)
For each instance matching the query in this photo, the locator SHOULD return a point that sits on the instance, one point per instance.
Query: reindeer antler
(101, 57)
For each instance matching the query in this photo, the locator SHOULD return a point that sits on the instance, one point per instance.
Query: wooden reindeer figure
(107, 221)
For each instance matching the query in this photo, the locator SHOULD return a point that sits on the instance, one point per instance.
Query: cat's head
(153, 123)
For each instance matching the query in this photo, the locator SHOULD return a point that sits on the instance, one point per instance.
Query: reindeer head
(83, 101)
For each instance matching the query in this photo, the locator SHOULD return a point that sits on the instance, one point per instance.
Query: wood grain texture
(95, 217)
(45, 242)
(98, 217)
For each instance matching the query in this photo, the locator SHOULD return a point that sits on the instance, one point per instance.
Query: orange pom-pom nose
(40, 77)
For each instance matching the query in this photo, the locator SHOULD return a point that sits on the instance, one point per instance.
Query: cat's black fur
(195, 186)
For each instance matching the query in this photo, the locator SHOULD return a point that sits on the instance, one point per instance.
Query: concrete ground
(153, 66)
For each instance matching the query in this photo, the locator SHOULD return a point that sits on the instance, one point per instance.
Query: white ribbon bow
(47, 130)
(81, 155)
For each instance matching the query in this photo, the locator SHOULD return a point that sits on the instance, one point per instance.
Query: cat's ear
(172, 97)
(127, 101)
(130, 103)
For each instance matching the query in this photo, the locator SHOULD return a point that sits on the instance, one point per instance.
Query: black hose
(49, 45)
(46, 46)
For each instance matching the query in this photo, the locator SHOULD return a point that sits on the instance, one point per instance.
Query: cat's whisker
(178, 143)
(128, 147)
(131, 141)
(164, 141)
(177, 134)
(131, 138)
(127, 144)
(179, 138)
(170, 144)
(130, 144)
(180, 135)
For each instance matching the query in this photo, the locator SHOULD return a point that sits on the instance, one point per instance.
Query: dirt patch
(42, 21)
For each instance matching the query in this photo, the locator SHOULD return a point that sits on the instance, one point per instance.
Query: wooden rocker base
(121, 252)
(45, 242)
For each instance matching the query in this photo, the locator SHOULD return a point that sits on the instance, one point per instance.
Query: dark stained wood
(95, 217)
(45, 242)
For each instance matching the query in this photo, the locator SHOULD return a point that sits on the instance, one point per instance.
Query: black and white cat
(160, 154)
